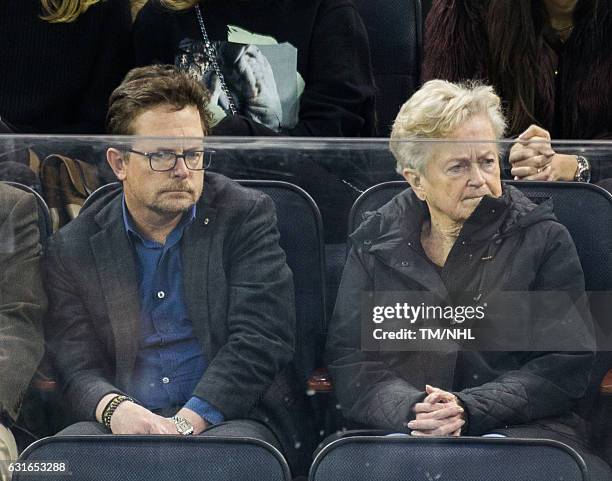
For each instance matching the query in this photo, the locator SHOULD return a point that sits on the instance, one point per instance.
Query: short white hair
(436, 110)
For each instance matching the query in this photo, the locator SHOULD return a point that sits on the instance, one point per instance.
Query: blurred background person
(550, 62)
(60, 61)
(273, 66)
(22, 306)
(462, 238)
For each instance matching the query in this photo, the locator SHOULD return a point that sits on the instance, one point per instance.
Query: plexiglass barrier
(435, 291)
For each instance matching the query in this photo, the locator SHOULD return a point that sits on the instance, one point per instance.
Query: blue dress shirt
(170, 360)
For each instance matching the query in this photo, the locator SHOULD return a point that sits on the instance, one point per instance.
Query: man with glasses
(171, 302)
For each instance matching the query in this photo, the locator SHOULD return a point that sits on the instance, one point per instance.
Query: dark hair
(518, 66)
(144, 88)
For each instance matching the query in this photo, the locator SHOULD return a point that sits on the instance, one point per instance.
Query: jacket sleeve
(260, 320)
(370, 392)
(549, 382)
(75, 349)
(22, 303)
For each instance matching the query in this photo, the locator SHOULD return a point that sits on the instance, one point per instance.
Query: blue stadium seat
(396, 42)
(374, 458)
(152, 458)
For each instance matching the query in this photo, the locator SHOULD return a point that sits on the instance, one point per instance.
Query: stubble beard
(173, 207)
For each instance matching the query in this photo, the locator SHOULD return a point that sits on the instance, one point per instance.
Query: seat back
(301, 237)
(372, 458)
(99, 192)
(586, 211)
(396, 41)
(372, 199)
(45, 227)
(163, 458)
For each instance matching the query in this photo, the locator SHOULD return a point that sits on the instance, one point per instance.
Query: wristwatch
(183, 426)
(583, 172)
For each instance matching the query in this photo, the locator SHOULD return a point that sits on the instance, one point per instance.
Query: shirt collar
(173, 237)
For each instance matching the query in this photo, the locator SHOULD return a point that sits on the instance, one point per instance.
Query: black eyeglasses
(166, 160)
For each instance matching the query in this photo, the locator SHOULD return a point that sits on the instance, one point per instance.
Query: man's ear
(116, 160)
(415, 179)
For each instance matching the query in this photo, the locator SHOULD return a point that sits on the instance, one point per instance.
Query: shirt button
(165, 380)
(161, 294)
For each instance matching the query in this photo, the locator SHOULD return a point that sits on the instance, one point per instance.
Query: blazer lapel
(119, 284)
(195, 248)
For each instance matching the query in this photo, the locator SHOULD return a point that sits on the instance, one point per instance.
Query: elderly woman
(457, 230)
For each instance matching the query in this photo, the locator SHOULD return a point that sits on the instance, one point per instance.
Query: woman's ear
(415, 179)
(117, 162)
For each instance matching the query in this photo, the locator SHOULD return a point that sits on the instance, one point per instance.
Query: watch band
(184, 427)
(111, 407)
(583, 172)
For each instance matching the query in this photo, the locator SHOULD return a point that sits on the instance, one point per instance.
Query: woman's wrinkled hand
(440, 414)
(532, 158)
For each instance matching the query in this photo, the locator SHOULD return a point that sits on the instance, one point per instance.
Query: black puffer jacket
(508, 244)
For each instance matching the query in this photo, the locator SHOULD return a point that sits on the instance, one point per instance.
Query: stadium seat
(152, 458)
(301, 237)
(395, 32)
(99, 192)
(373, 458)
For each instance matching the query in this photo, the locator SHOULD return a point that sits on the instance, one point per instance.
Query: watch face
(183, 426)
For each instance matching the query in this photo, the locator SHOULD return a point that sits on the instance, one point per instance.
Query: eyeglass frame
(149, 155)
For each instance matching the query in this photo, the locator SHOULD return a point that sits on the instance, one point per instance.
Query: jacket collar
(393, 233)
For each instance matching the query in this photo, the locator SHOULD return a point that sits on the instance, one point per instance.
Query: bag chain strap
(211, 53)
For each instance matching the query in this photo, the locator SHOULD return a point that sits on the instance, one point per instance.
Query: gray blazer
(239, 296)
(22, 298)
